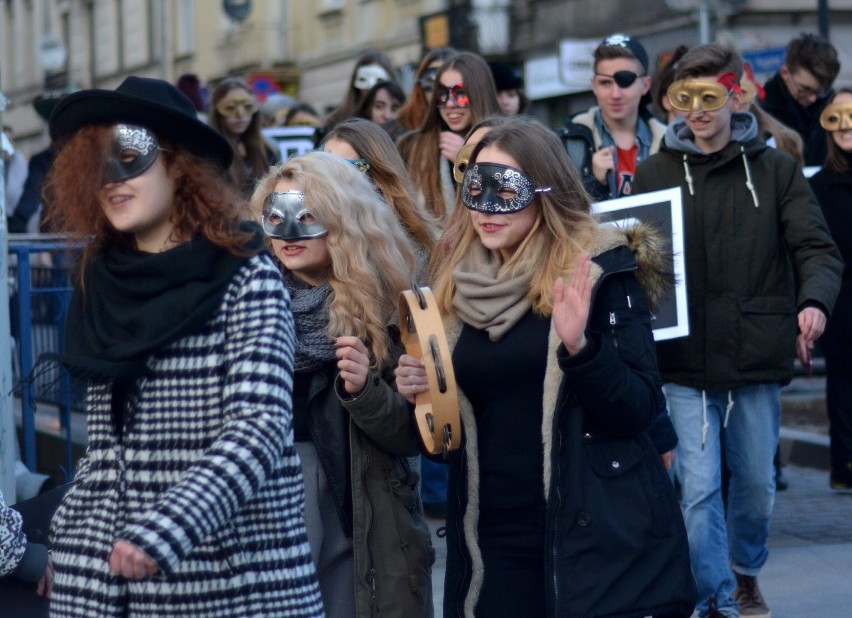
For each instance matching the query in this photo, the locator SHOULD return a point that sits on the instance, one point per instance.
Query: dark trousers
(838, 399)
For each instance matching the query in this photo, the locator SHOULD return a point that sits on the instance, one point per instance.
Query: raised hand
(571, 302)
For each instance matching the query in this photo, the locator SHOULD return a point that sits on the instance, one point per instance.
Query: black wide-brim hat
(154, 104)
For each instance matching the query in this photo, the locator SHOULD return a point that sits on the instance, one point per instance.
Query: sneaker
(748, 596)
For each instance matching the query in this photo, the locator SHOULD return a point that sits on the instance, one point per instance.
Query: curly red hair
(204, 202)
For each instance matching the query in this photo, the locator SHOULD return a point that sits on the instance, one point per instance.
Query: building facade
(308, 47)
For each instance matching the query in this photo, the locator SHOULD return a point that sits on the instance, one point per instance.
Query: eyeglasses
(427, 80)
(807, 91)
(234, 108)
(456, 93)
(623, 79)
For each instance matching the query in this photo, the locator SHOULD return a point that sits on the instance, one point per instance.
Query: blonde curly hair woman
(345, 258)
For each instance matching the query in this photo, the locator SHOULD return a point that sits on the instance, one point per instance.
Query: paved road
(809, 572)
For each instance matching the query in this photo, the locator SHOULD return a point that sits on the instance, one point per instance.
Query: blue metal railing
(40, 290)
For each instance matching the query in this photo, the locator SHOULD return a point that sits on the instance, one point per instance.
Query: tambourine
(436, 410)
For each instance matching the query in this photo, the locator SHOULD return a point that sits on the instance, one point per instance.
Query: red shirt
(626, 168)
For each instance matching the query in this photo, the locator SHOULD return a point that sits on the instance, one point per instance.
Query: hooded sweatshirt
(757, 251)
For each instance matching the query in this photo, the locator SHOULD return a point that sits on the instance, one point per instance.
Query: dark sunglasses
(624, 79)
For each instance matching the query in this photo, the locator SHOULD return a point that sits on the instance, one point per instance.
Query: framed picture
(291, 141)
(664, 210)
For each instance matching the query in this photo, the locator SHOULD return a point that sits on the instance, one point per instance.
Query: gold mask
(697, 95)
(462, 159)
(836, 117)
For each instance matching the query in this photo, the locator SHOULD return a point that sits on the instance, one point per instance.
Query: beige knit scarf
(488, 301)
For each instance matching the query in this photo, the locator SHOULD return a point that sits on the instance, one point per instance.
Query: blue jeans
(716, 546)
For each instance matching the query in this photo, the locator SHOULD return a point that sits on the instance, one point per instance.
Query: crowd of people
(252, 444)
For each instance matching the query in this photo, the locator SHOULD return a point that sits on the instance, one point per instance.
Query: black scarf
(137, 303)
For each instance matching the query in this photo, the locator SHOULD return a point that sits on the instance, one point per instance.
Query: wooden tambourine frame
(437, 410)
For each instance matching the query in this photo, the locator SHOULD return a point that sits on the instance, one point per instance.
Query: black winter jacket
(615, 540)
(834, 192)
(780, 104)
(753, 261)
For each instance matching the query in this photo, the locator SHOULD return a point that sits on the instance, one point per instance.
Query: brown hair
(420, 149)
(204, 203)
(836, 160)
(257, 152)
(353, 97)
(387, 171)
(564, 226)
(705, 60)
(815, 55)
(662, 81)
(411, 114)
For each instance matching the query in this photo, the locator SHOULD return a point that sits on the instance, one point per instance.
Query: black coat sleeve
(615, 378)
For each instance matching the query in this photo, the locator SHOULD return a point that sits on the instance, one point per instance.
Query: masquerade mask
(456, 93)
(493, 188)
(369, 75)
(133, 150)
(836, 117)
(624, 79)
(232, 108)
(362, 164)
(750, 88)
(286, 218)
(701, 95)
(462, 160)
(427, 80)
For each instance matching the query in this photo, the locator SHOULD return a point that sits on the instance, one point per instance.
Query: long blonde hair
(371, 257)
(563, 229)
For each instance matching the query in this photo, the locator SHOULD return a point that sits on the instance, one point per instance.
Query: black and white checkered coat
(206, 480)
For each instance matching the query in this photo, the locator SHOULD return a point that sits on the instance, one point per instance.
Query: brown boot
(748, 596)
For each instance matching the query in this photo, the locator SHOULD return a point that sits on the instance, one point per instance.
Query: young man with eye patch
(760, 266)
(607, 142)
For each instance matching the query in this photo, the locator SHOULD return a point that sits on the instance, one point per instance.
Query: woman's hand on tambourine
(571, 302)
(411, 377)
(353, 361)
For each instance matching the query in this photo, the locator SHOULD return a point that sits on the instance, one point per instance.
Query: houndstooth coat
(205, 481)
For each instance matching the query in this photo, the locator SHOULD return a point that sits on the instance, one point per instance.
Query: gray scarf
(486, 301)
(314, 348)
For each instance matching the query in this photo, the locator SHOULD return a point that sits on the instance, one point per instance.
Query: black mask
(493, 188)
(132, 152)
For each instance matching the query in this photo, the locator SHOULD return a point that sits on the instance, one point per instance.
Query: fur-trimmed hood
(654, 260)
